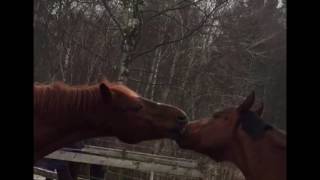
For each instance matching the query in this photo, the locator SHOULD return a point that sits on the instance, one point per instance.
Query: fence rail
(133, 160)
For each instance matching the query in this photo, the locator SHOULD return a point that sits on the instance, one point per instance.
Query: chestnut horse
(240, 136)
(67, 114)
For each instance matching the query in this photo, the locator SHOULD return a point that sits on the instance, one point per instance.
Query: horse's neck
(62, 117)
(59, 111)
(261, 159)
(61, 100)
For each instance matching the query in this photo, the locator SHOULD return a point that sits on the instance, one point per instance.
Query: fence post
(151, 175)
(96, 172)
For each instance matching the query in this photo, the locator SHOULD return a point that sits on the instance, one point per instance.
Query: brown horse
(240, 136)
(66, 114)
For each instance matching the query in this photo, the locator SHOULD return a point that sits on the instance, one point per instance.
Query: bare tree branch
(187, 35)
(112, 16)
(157, 84)
(176, 20)
(170, 9)
(263, 40)
(82, 46)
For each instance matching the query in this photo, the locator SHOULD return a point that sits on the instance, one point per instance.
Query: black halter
(253, 125)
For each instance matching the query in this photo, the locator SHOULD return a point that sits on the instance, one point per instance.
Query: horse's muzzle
(176, 132)
(184, 138)
(181, 123)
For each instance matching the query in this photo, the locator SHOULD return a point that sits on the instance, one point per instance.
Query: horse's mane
(253, 125)
(257, 128)
(60, 97)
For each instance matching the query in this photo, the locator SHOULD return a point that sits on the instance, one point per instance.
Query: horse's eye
(137, 108)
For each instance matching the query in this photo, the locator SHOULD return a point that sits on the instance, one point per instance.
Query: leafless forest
(200, 55)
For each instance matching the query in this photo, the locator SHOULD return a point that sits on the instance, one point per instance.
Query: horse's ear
(106, 93)
(247, 104)
(259, 111)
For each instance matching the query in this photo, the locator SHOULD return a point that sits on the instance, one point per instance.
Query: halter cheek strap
(253, 125)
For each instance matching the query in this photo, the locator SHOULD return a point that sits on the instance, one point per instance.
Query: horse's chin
(176, 133)
(185, 140)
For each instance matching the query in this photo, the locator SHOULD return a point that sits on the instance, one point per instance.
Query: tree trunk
(151, 75)
(166, 88)
(124, 67)
(155, 75)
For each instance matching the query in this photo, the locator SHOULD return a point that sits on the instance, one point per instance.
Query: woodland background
(200, 55)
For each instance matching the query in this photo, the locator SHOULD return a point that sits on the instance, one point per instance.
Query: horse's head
(213, 135)
(132, 118)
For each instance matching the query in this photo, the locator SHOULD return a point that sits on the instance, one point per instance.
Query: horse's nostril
(182, 121)
(182, 118)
